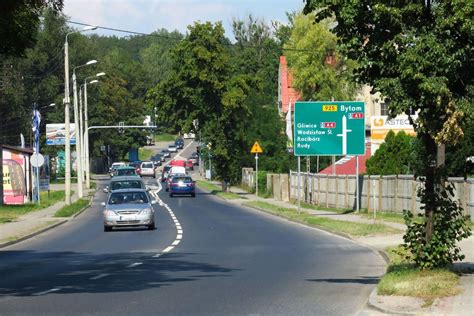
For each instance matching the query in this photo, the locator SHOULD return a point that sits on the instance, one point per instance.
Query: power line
(178, 39)
(124, 31)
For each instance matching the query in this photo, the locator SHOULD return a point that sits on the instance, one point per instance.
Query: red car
(189, 165)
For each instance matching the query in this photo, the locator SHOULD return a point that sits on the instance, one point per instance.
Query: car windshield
(126, 184)
(147, 165)
(128, 198)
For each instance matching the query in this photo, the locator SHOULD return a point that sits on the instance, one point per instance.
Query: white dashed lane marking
(46, 292)
(179, 229)
(133, 265)
(100, 276)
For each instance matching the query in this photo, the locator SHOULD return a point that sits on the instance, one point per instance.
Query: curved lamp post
(67, 101)
(78, 129)
(86, 129)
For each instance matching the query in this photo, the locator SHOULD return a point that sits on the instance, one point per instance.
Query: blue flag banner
(36, 128)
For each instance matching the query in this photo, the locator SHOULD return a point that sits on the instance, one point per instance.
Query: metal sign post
(256, 172)
(299, 184)
(329, 128)
(357, 185)
(256, 149)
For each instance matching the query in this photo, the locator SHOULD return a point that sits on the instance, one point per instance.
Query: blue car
(182, 185)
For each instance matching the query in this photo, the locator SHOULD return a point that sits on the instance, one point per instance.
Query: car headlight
(146, 211)
(109, 213)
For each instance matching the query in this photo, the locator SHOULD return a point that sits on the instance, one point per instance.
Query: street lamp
(86, 129)
(67, 101)
(78, 128)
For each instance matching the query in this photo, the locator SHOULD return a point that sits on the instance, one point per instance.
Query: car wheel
(171, 194)
(193, 194)
(107, 228)
(152, 226)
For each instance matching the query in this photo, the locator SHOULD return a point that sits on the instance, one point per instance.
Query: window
(384, 108)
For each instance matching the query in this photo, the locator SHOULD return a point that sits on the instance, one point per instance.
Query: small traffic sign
(37, 160)
(256, 149)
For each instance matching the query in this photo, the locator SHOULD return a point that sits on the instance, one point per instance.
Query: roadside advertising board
(380, 125)
(44, 175)
(329, 128)
(56, 134)
(14, 177)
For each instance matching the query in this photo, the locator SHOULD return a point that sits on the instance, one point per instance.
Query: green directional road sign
(329, 128)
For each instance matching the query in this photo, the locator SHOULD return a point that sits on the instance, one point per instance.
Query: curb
(343, 235)
(9, 243)
(84, 208)
(372, 302)
(47, 228)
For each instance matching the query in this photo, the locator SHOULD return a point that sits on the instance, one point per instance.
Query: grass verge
(321, 208)
(215, 190)
(144, 154)
(165, 137)
(404, 279)
(384, 216)
(336, 226)
(69, 210)
(9, 213)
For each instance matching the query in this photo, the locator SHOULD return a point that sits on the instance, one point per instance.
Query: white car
(172, 148)
(129, 207)
(189, 135)
(147, 169)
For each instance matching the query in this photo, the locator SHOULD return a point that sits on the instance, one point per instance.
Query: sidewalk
(462, 304)
(34, 223)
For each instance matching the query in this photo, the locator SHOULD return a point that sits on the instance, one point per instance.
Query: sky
(150, 15)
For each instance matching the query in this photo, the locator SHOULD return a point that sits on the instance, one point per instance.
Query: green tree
(395, 156)
(157, 56)
(320, 72)
(19, 22)
(256, 54)
(419, 56)
(203, 86)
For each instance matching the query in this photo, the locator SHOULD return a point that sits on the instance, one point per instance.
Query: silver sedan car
(129, 207)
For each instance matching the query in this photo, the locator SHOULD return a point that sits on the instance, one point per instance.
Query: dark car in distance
(179, 143)
(166, 153)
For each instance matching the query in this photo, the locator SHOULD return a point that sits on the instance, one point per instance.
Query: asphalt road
(206, 257)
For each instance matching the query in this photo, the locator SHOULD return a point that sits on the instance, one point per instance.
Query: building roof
(347, 165)
(17, 149)
(288, 93)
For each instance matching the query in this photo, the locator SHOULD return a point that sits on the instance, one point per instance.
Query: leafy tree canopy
(203, 94)
(395, 156)
(19, 20)
(419, 56)
(320, 72)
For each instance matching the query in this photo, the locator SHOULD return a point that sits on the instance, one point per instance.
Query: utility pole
(67, 150)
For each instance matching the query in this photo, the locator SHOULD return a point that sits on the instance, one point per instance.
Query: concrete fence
(379, 193)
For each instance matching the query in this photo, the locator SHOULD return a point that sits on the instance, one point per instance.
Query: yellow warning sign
(256, 149)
